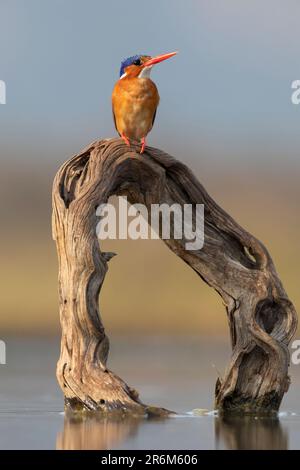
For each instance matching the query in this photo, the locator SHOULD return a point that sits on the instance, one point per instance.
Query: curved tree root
(261, 318)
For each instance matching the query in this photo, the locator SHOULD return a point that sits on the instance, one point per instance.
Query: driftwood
(261, 318)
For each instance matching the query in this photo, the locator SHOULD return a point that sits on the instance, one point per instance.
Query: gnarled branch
(261, 318)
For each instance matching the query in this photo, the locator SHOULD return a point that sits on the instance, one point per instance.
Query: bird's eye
(137, 62)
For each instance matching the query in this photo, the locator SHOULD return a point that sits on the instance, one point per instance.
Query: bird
(135, 98)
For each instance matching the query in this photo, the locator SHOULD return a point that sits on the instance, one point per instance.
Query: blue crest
(126, 62)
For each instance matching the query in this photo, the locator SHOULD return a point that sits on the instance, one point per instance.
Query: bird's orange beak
(158, 58)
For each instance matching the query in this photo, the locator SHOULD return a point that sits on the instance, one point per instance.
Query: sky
(226, 96)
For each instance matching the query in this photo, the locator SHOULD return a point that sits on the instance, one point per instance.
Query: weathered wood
(261, 318)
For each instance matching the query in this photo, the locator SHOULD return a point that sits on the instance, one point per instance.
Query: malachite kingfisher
(135, 98)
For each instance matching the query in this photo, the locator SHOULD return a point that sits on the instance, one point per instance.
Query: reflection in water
(250, 433)
(95, 432)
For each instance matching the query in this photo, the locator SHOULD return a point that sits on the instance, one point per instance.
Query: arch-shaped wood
(261, 318)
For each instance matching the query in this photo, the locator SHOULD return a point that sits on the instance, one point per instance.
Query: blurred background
(225, 111)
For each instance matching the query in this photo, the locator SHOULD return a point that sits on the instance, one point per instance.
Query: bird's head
(141, 65)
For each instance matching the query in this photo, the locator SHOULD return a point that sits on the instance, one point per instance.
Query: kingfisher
(135, 98)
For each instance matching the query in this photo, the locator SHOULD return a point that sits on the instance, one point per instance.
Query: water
(177, 373)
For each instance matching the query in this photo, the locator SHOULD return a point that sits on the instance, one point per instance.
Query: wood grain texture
(261, 318)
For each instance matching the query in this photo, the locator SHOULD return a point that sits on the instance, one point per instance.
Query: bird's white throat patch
(145, 72)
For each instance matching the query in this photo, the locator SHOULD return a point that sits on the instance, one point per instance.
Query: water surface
(177, 373)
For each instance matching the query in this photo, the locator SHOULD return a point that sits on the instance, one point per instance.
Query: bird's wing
(115, 120)
(154, 116)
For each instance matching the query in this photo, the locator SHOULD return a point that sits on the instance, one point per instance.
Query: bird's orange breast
(134, 102)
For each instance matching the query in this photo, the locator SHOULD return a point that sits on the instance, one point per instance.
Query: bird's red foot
(126, 140)
(143, 142)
